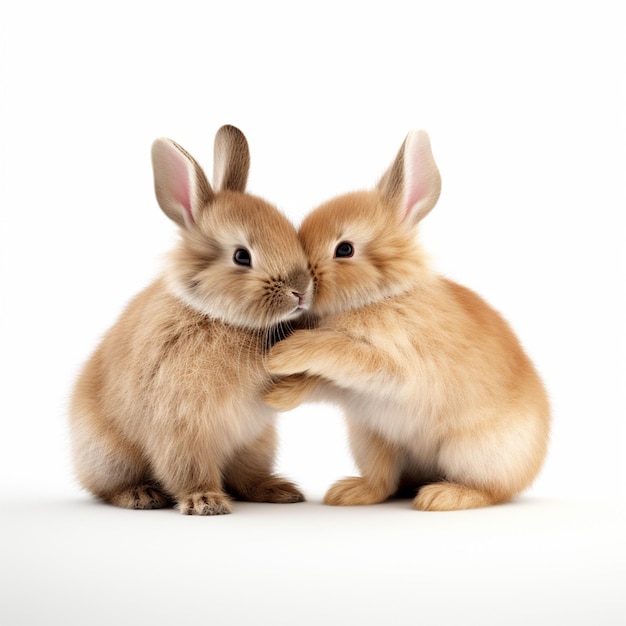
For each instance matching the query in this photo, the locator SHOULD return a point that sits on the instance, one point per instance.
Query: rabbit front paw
(354, 491)
(140, 497)
(204, 503)
(292, 355)
(290, 391)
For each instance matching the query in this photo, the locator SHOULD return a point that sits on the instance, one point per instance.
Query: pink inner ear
(420, 173)
(414, 189)
(181, 188)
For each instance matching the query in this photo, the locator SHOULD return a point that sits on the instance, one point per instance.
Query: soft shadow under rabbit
(168, 410)
(436, 388)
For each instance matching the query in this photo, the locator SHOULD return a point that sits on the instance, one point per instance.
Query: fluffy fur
(169, 410)
(438, 394)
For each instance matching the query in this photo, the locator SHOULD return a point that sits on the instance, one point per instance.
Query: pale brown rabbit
(438, 394)
(169, 409)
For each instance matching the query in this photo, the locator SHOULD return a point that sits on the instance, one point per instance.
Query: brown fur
(168, 409)
(436, 388)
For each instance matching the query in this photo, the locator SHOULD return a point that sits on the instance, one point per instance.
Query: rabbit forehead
(241, 220)
(357, 217)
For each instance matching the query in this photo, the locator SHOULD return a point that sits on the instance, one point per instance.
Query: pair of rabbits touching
(177, 405)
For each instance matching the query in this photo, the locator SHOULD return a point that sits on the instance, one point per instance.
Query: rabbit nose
(300, 283)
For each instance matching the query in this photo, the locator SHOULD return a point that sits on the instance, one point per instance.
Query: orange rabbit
(438, 394)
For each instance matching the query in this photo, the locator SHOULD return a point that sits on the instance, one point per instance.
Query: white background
(525, 104)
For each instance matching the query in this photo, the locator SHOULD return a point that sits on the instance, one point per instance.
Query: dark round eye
(344, 250)
(242, 257)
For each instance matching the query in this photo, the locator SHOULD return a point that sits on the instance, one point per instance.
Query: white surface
(532, 562)
(525, 106)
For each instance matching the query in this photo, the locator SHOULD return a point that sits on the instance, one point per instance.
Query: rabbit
(438, 394)
(168, 411)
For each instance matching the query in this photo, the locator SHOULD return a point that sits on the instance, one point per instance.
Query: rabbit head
(239, 259)
(362, 246)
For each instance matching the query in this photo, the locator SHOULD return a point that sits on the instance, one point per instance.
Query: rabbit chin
(233, 313)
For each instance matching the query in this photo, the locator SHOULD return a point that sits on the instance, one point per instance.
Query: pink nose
(300, 297)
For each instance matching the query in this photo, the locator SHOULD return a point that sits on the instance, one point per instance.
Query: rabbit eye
(242, 257)
(344, 250)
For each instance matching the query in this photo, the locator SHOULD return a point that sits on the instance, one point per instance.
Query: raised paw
(290, 356)
(204, 503)
(354, 491)
(140, 497)
(290, 391)
(446, 496)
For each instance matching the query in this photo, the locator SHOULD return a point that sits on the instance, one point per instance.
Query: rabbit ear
(231, 159)
(181, 187)
(412, 183)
